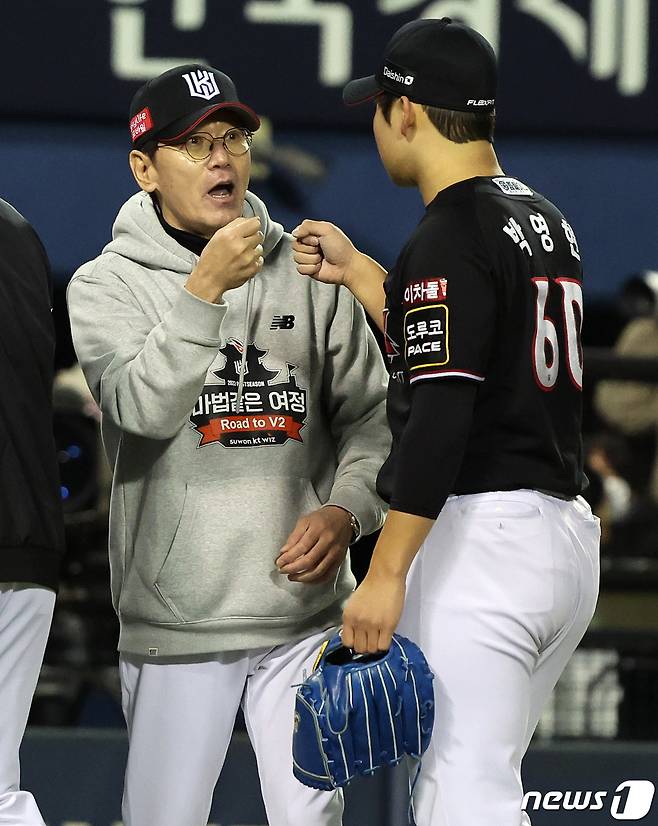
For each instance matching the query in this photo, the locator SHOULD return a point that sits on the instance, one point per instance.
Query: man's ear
(143, 170)
(408, 121)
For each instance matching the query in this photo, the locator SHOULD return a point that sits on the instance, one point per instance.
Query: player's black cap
(434, 62)
(172, 104)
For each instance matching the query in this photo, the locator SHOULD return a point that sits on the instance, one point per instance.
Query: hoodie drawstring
(245, 345)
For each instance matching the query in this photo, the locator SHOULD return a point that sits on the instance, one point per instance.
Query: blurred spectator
(77, 417)
(70, 392)
(608, 456)
(631, 406)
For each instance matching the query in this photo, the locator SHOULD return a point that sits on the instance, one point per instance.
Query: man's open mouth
(223, 190)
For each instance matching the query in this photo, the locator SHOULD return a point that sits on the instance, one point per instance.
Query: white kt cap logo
(202, 85)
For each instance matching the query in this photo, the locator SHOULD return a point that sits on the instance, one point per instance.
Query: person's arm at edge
(323, 252)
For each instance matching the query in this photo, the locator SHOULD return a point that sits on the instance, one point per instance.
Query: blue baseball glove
(358, 712)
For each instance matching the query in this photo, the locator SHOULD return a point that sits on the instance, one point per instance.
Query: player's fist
(322, 251)
(232, 256)
(372, 613)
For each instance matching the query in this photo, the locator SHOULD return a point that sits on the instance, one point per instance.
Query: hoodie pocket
(221, 563)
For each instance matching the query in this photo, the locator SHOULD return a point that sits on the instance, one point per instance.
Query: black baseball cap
(171, 105)
(434, 62)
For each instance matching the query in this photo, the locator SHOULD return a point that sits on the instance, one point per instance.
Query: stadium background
(578, 120)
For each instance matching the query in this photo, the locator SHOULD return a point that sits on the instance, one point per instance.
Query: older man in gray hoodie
(243, 414)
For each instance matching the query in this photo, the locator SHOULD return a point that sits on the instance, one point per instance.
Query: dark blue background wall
(70, 182)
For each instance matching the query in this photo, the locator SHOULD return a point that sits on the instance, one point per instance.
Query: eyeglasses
(200, 145)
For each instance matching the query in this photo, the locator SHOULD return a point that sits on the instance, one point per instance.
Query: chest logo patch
(282, 322)
(274, 408)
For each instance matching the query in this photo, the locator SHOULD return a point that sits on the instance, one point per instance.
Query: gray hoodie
(204, 492)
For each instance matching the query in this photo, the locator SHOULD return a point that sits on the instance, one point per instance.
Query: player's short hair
(458, 127)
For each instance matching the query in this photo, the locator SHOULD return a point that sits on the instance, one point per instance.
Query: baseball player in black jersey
(489, 556)
(31, 524)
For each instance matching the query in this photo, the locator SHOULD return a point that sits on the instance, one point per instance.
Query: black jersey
(31, 526)
(488, 291)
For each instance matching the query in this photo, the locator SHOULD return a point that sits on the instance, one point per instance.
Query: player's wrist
(387, 569)
(363, 274)
(353, 270)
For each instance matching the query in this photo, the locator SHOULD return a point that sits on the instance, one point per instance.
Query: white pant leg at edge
(26, 613)
(180, 716)
(498, 598)
(269, 705)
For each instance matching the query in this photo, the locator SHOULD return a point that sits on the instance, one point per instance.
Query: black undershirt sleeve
(432, 445)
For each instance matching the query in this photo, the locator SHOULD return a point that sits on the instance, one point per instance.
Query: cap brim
(361, 90)
(182, 127)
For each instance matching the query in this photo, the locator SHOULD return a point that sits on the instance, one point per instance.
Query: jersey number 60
(546, 351)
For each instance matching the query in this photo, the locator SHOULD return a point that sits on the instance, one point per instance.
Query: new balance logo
(282, 322)
(202, 85)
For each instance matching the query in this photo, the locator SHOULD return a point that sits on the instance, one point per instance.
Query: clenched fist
(322, 251)
(232, 256)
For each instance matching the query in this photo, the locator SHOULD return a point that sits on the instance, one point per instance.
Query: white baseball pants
(26, 612)
(498, 598)
(180, 717)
